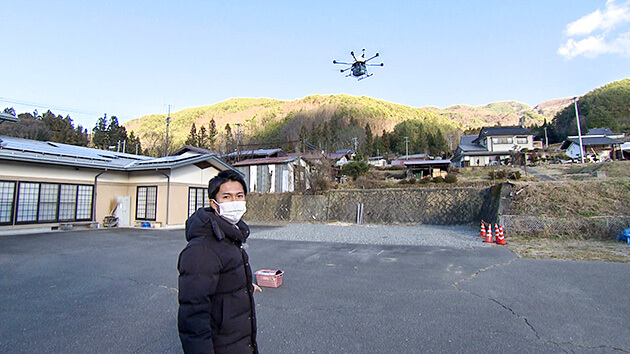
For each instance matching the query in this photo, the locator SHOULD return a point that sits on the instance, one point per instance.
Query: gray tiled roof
(586, 140)
(25, 150)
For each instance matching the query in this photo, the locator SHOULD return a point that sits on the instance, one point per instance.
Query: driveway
(115, 291)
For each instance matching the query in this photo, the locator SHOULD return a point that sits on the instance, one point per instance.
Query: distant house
(341, 157)
(598, 144)
(46, 184)
(492, 146)
(401, 160)
(275, 174)
(378, 161)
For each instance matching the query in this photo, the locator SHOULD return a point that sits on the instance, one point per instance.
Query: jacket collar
(205, 222)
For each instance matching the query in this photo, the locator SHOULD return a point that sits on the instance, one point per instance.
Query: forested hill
(331, 121)
(604, 107)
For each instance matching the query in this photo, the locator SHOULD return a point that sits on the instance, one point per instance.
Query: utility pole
(168, 121)
(238, 138)
(406, 148)
(577, 117)
(546, 140)
(355, 144)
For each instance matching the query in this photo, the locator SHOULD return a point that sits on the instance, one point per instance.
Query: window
(521, 140)
(67, 202)
(48, 199)
(197, 198)
(7, 196)
(47, 202)
(84, 202)
(28, 198)
(502, 140)
(146, 202)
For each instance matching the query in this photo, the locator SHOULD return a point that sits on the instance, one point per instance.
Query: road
(115, 291)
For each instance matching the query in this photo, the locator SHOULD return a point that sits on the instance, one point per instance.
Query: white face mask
(232, 211)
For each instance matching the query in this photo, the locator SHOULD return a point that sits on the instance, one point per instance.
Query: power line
(39, 105)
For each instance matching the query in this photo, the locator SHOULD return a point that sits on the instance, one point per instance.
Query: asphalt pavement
(115, 291)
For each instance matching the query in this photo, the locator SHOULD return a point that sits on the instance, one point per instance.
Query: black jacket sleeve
(199, 269)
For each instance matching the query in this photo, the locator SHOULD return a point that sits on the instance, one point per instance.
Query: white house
(492, 146)
(275, 174)
(598, 144)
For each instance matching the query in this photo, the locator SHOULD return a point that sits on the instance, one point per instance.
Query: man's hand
(257, 288)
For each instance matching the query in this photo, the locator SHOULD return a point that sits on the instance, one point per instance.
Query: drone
(359, 67)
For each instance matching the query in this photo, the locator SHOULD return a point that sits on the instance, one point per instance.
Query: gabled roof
(48, 152)
(8, 117)
(258, 153)
(427, 162)
(187, 148)
(588, 141)
(266, 161)
(600, 131)
(499, 131)
(466, 144)
(337, 155)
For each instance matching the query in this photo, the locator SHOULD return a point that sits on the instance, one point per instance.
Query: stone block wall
(435, 206)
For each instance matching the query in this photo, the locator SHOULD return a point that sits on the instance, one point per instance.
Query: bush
(355, 169)
(321, 183)
(451, 178)
(514, 175)
(438, 179)
(497, 174)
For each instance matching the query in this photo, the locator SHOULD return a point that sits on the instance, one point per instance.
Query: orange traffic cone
(496, 232)
(483, 230)
(501, 238)
(489, 234)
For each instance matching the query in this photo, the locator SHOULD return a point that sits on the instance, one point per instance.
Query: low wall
(434, 206)
(596, 227)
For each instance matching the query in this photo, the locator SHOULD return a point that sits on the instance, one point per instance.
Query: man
(216, 302)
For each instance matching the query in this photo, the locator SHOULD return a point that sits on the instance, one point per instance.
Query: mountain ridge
(273, 118)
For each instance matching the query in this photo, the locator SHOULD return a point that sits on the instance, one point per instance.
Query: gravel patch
(458, 236)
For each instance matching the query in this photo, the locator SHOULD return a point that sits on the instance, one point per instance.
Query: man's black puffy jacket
(216, 303)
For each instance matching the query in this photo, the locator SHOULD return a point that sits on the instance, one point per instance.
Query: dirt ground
(578, 250)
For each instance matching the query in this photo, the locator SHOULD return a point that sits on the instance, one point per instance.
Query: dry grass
(572, 198)
(578, 250)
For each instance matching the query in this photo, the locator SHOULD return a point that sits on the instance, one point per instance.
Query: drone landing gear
(364, 77)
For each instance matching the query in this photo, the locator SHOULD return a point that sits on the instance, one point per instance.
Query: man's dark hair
(223, 177)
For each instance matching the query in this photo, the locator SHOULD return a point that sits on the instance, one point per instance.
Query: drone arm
(346, 69)
(341, 62)
(381, 64)
(372, 57)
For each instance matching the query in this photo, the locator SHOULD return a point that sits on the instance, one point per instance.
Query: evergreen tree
(212, 134)
(192, 139)
(229, 139)
(202, 138)
(369, 140)
(133, 145)
(100, 139)
(116, 133)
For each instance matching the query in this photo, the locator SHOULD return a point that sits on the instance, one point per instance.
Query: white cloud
(606, 30)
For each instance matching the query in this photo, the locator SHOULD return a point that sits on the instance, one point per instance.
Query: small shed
(423, 168)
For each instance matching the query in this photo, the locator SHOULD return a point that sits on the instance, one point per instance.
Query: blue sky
(132, 58)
